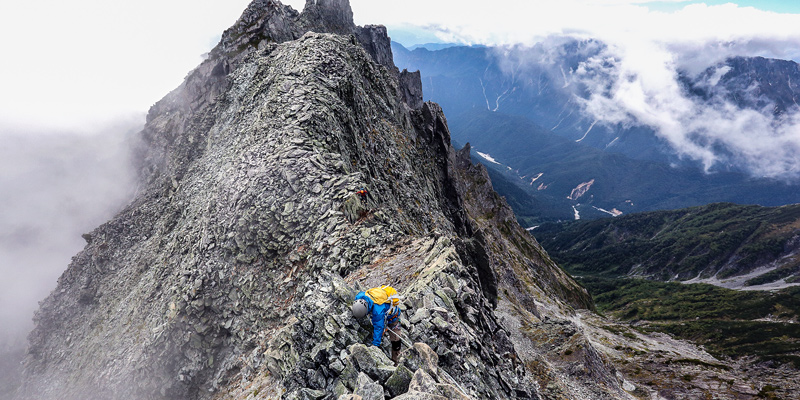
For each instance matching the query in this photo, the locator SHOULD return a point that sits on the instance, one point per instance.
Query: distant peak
(333, 16)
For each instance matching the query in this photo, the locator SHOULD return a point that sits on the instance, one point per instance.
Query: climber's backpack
(383, 294)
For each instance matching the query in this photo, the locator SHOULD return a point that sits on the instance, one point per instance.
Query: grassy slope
(727, 322)
(718, 239)
(686, 242)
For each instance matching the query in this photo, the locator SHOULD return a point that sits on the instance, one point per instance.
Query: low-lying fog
(54, 186)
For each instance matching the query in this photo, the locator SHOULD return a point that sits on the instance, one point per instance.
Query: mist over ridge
(56, 187)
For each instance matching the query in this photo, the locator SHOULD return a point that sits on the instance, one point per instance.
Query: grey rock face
(411, 87)
(231, 275)
(247, 196)
(172, 132)
(377, 43)
(333, 16)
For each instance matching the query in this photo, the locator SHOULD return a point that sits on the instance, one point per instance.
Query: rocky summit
(231, 273)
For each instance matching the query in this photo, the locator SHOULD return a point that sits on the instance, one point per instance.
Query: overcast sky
(82, 63)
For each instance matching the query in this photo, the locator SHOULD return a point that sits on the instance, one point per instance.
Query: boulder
(368, 389)
(399, 382)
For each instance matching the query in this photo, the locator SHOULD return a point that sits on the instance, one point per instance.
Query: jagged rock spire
(332, 16)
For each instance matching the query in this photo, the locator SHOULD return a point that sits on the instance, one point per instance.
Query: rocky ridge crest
(231, 273)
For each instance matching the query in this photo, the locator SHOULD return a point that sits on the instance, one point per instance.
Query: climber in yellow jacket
(383, 304)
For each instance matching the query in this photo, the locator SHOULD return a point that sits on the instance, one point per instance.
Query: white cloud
(711, 133)
(528, 21)
(78, 63)
(647, 50)
(74, 64)
(645, 88)
(53, 188)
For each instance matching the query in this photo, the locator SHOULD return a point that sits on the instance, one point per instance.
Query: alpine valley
(582, 186)
(525, 108)
(231, 273)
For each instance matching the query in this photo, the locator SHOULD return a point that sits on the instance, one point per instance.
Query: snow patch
(580, 190)
(497, 101)
(577, 214)
(718, 74)
(587, 131)
(484, 94)
(532, 228)
(536, 177)
(614, 212)
(488, 158)
(566, 81)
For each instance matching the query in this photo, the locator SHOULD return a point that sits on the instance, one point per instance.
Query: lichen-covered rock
(372, 361)
(422, 382)
(397, 384)
(414, 395)
(421, 357)
(367, 389)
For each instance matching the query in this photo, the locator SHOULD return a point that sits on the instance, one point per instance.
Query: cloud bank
(647, 52)
(55, 187)
(81, 64)
(716, 132)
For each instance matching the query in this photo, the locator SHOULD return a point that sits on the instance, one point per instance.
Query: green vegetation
(767, 392)
(668, 301)
(768, 341)
(725, 321)
(720, 239)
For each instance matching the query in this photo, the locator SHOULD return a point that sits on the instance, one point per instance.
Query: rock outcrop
(231, 273)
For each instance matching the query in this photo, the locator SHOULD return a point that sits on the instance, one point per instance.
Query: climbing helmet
(360, 308)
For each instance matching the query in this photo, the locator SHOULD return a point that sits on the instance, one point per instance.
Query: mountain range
(523, 108)
(570, 180)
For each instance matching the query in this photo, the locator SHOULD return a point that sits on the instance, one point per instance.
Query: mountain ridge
(249, 199)
(521, 131)
(231, 273)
